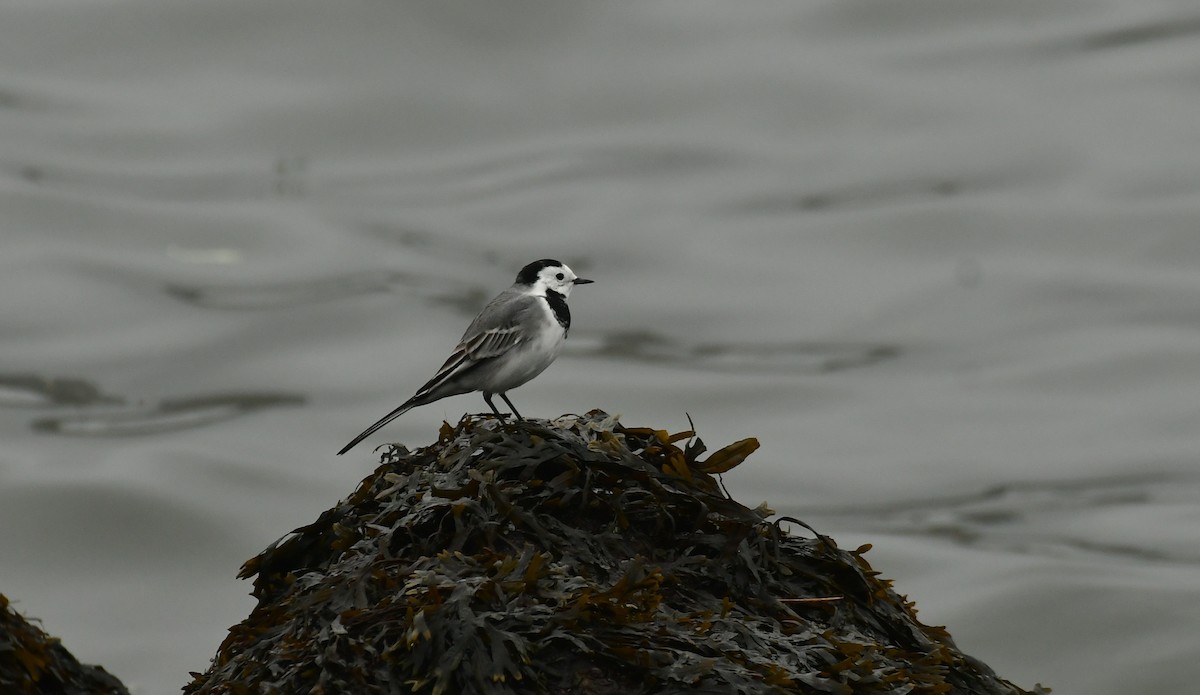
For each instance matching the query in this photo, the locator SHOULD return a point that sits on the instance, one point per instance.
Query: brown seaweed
(34, 663)
(574, 556)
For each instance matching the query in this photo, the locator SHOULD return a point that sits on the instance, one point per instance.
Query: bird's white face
(559, 278)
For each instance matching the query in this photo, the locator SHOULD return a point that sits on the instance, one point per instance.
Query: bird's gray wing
(501, 326)
(506, 322)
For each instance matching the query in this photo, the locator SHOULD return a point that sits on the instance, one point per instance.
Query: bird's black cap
(529, 273)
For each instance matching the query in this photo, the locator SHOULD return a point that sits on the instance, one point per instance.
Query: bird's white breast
(531, 357)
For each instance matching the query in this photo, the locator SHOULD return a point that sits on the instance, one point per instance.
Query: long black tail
(408, 405)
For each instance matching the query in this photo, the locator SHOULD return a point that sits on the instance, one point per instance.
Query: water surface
(940, 257)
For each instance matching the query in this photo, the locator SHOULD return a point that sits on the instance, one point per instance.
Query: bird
(512, 340)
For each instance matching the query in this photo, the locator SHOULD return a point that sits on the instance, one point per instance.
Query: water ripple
(1047, 518)
(164, 416)
(33, 391)
(869, 194)
(798, 356)
(1174, 28)
(286, 294)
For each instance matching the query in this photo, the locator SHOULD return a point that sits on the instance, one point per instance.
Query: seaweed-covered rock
(574, 556)
(34, 663)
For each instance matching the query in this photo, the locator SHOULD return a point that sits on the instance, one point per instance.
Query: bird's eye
(560, 276)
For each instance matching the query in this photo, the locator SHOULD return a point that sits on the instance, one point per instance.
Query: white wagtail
(516, 336)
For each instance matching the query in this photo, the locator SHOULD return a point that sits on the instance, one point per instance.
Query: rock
(575, 556)
(34, 663)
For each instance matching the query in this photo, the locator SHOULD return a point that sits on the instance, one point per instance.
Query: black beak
(581, 281)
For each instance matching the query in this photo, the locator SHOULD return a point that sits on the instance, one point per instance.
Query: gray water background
(939, 256)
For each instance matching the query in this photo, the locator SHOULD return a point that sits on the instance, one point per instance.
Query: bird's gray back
(512, 307)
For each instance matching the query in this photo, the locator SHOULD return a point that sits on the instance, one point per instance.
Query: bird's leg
(488, 397)
(514, 408)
